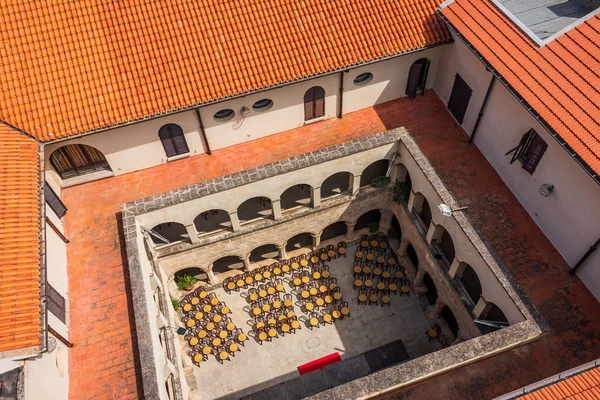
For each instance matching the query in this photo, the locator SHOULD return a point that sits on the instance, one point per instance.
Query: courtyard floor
(98, 278)
(257, 366)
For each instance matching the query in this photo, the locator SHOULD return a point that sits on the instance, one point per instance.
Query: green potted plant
(401, 192)
(380, 181)
(373, 226)
(186, 282)
(175, 303)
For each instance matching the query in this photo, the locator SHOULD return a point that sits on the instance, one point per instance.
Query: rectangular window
(459, 99)
(56, 303)
(54, 202)
(529, 151)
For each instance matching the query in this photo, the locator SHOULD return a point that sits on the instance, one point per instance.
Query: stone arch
(338, 183)
(227, 263)
(296, 196)
(299, 241)
(395, 231)
(197, 272)
(412, 255)
(264, 252)
(172, 231)
(470, 281)
(333, 230)
(429, 284)
(255, 207)
(211, 221)
(447, 246)
(374, 170)
(367, 217)
(450, 319)
(495, 313)
(73, 160)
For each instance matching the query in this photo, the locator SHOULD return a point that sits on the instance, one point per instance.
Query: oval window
(262, 105)
(224, 115)
(363, 78)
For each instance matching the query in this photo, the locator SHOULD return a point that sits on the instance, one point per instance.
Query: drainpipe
(203, 132)
(585, 256)
(341, 93)
(485, 100)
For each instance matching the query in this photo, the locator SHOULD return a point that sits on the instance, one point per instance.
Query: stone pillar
(385, 222)
(434, 233)
(192, 233)
(419, 278)
(276, 206)
(315, 197)
(456, 269)
(316, 240)
(402, 249)
(282, 252)
(246, 261)
(481, 308)
(212, 279)
(355, 185)
(438, 308)
(235, 221)
(350, 230)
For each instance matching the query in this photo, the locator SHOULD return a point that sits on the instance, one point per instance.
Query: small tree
(186, 281)
(401, 193)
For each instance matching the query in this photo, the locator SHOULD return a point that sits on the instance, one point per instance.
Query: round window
(262, 105)
(224, 115)
(363, 78)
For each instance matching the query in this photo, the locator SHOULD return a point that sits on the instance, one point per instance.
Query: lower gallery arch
(432, 294)
(395, 232)
(301, 240)
(334, 230)
(226, 264)
(368, 218)
(450, 319)
(212, 220)
(264, 252)
(172, 231)
(192, 271)
(412, 255)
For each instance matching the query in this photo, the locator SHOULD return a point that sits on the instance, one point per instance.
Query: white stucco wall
(569, 217)
(56, 264)
(46, 377)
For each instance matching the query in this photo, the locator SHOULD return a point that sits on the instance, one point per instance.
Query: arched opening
(417, 77)
(173, 140)
(256, 207)
(471, 282)
(395, 232)
(301, 240)
(212, 220)
(374, 173)
(296, 196)
(425, 213)
(77, 159)
(402, 186)
(193, 271)
(264, 252)
(226, 264)
(336, 184)
(412, 256)
(172, 231)
(495, 314)
(369, 219)
(447, 246)
(449, 318)
(432, 293)
(314, 103)
(333, 230)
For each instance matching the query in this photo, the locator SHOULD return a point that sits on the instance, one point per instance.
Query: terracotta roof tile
(560, 80)
(77, 66)
(19, 241)
(583, 385)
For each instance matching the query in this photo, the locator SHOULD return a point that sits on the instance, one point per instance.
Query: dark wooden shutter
(55, 303)
(319, 102)
(54, 202)
(309, 104)
(178, 139)
(414, 76)
(518, 150)
(166, 141)
(459, 99)
(537, 148)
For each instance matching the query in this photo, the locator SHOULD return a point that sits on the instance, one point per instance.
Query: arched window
(173, 140)
(77, 159)
(417, 77)
(314, 103)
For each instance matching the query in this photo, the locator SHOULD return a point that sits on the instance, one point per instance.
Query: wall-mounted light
(245, 111)
(546, 189)
(447, 211)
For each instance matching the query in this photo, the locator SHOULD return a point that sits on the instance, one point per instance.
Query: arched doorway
(212, 220)
(264, 252)
(256, 207)
(336, 184)
(368, 219)
(77, 159)
(378, 169)
(296, 196)
(412, 255)
(299, 241)
(172, 231)
(314, 103)
(471, 283)
(447, 246)
(226, 264)
(417, 77)
(333, 230)
(432, 293)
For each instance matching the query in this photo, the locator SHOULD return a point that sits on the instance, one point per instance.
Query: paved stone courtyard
(257, 366)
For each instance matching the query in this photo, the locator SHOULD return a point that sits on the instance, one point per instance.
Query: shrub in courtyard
(186, 282)
(380, 181)
(373, 226)
(401, 193)
(175, 303)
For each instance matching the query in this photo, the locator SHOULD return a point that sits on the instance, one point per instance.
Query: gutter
(585, 257)
(537, 116)
(42, 252)
(202, 131)
(244, 94)
(482, 109)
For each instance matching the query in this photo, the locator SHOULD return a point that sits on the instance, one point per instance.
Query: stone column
(402, 249)
(212, 279)
(316, 237)
(456, 269)
(415, 202)
(315, 197)
(235, 221)
(434, 232)
(481, 308)
(385, 222)
(350, 230)
(419, 278)
(192, 233)
(355, 185)
(438, 308)
(282, 252)
(276, 206)
(246, 261)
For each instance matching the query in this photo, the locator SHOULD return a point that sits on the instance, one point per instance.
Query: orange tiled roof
(19, 241)
(560, 81)
(584, 385)
(77, 66)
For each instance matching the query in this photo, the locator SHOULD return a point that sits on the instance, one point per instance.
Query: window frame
(268, 105)
(173, 143)
(226, 118)
(51, 198)
(368, 77)
(530, 141)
